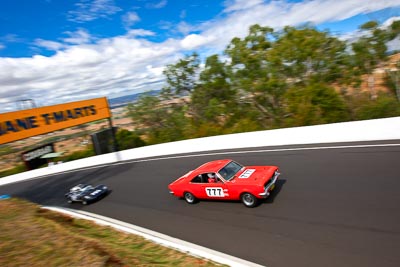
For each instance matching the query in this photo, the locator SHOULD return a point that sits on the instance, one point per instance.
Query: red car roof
(212, 166)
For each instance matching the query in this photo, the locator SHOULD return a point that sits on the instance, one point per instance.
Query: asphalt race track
(331, 207)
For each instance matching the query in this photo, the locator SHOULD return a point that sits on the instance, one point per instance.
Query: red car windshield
(230, 170)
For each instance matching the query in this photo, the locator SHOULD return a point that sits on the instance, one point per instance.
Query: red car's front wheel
(249, 200)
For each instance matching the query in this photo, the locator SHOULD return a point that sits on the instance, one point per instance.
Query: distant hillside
(377, 81)
(125, 100)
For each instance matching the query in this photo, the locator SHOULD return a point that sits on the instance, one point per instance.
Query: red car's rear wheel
(190, 198)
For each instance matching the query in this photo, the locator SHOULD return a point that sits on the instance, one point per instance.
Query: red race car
(226, 180)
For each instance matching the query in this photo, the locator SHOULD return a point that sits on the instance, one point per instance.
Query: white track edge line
(162, 239)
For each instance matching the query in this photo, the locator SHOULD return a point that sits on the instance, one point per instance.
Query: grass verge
(33, 236)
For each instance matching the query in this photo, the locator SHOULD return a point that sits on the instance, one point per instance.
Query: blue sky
(55, 51)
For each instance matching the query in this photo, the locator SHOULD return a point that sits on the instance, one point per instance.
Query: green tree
(213, 97)
(181, 77)
(384, 106)
(127, 139)
(370, 51)
(161, 121)
(258, 84)
(268, 79)
(393, 79)
(147, 112)
(306, 55)
(393, 74)
(394, 31)
(315, 104)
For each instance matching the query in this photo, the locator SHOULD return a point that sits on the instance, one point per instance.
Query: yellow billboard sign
(30, 122)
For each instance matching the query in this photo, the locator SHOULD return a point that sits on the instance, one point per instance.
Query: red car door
(215, 191)
(195, 186)
(214, 188)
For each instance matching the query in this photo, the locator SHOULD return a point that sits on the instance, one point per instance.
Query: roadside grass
(15, 170)
(31, 236)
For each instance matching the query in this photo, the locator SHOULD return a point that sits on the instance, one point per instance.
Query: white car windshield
(230, 170)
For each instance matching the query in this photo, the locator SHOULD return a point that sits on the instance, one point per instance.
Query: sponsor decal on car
(95, 192)
(247, 173)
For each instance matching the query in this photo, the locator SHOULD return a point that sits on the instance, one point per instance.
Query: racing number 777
(214, 191)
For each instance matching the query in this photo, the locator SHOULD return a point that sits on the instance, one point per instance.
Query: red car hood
(256, 175)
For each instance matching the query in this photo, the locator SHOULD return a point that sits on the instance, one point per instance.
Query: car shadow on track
(271, 198)
(278, 187)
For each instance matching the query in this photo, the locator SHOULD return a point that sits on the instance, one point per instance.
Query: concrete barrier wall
(368, 130)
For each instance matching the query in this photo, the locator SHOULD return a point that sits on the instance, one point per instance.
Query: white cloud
(49, 45)
(157, 5)
(235, 5)
(130, 19)
(183, 14)
(395, 43)
(11, 38)
(139, 32)
(389, 21)
(87, 10)
(194, 41)
(184, 28)
(110, 67)
(239, 15)
(355, 35)
(80, 36)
